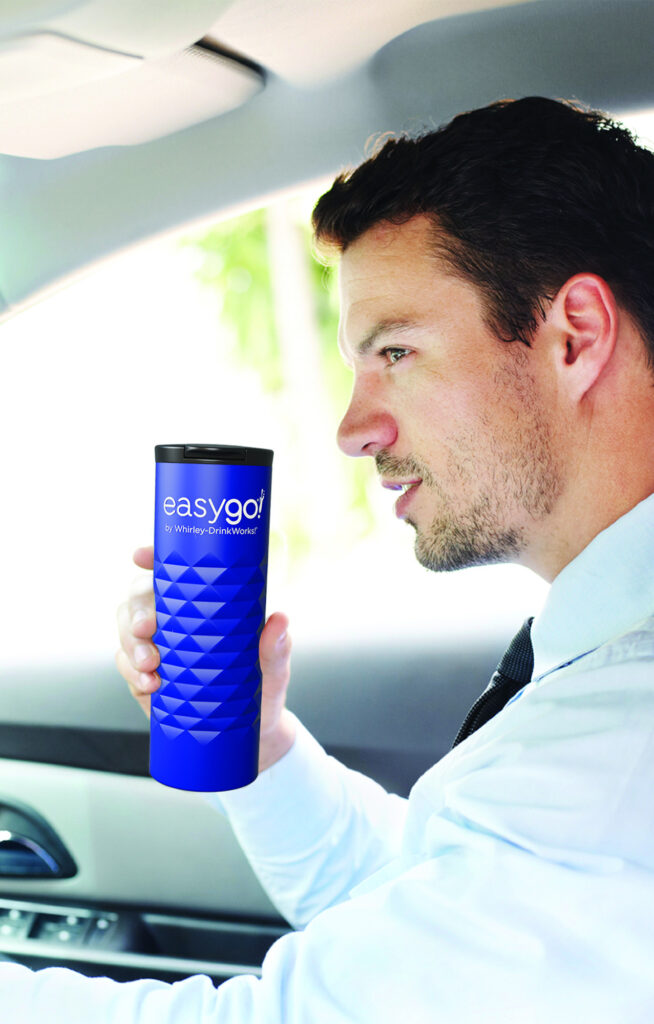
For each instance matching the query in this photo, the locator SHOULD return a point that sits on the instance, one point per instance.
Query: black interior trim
(390, 714)
(127, 753)
(103, 750)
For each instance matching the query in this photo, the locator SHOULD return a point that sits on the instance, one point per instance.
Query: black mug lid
(219, 454)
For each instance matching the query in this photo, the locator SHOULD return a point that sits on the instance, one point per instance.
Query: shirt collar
(604, 591)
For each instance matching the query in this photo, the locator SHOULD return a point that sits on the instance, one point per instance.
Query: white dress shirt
(515, 885)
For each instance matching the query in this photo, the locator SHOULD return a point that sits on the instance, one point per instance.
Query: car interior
(124, 126)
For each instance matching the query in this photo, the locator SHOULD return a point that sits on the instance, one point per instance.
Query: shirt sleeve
(313, 829)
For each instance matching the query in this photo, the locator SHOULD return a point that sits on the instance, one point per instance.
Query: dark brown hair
(523, 195)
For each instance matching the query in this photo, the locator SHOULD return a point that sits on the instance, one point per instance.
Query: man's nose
(366, 428)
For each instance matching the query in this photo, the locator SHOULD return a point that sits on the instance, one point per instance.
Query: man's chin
(449, 549)
(429, 553)
(433, 560)
(425, 552)
(445, 559)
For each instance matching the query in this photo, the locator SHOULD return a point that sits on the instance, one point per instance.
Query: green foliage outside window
(236, 263)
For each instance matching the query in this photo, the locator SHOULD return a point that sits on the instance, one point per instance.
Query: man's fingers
(273, 637)
(144, 557)
(141, 685)
(275, 652)
(135, 637)
(141, 619)
(140, 603)
(138, 682)
(138, 658)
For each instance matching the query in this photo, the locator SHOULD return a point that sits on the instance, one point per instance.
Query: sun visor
(59, 96)
(39, 63)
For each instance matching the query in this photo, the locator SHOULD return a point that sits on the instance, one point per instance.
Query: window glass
(225, 335)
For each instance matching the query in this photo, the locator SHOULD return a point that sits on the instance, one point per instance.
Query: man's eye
(393, 355)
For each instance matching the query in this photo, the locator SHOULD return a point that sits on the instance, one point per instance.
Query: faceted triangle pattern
(209, 619)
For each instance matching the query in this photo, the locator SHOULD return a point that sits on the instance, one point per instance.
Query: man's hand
(138, 661)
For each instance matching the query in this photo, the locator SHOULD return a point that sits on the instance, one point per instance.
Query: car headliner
(335, 74)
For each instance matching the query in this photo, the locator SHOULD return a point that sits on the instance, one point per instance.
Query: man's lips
(409, 487)
(398, 485)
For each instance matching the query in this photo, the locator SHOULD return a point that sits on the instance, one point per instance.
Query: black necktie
(512, 673)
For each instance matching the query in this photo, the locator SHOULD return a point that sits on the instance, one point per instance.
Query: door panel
(134, 841)
(165, 863)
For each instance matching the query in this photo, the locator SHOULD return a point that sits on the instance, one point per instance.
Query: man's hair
(523, 194)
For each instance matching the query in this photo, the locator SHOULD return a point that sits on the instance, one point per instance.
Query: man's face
(439, 400)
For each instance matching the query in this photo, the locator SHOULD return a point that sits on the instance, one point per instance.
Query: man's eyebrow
(379, 330)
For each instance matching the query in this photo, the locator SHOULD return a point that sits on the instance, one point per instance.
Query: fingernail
(280, 639)
(141, 654)
(139, 617)
(145, 681)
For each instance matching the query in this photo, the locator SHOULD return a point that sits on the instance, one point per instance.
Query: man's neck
(575, 526)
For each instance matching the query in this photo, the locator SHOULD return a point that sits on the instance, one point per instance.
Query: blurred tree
(235, 264)
(281, 308)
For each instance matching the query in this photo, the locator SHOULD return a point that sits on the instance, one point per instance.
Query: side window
(222, 335)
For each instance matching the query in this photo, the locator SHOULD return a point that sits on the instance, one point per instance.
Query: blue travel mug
(211, 528)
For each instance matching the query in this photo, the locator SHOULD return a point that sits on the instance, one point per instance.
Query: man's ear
(584, 314)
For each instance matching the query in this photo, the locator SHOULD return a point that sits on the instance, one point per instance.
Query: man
(498, 313)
